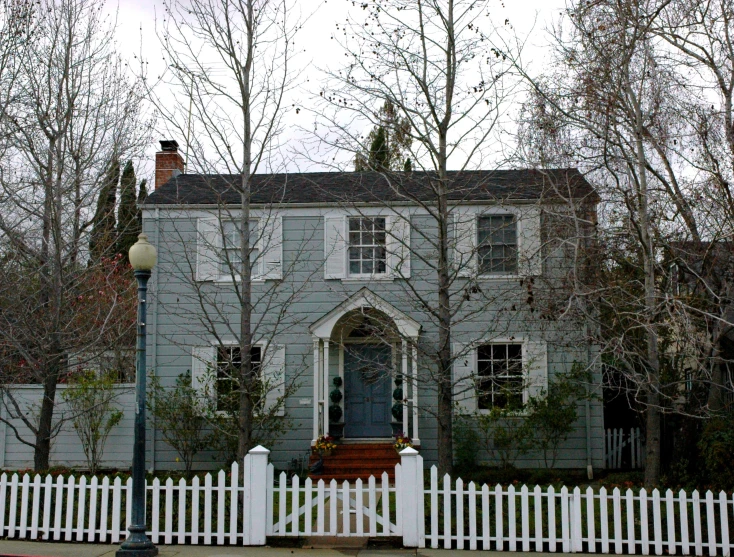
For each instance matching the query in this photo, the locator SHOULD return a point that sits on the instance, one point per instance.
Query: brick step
(352, 461)
(349, 476)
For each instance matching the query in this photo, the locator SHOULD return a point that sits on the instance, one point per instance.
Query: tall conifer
(102, 238)
(128, 225)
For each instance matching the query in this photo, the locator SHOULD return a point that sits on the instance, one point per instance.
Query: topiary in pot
(397, 411)
(335, 413)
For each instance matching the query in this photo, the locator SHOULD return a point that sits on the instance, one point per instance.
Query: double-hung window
(497, 244)
(229, 364)
(500, 381)
(367, 246)
(231, 258)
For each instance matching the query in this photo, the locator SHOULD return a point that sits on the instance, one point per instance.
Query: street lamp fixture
(143, 258)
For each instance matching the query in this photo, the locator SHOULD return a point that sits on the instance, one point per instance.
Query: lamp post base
(137, 544)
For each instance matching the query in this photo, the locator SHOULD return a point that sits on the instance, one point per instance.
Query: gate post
(411, 477)
(255, 491)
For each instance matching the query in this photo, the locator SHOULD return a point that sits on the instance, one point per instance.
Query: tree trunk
(42, 452)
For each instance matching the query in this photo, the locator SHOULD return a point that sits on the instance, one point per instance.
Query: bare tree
(71, 108)
(622, 106)
(432, 63)
(232, 59)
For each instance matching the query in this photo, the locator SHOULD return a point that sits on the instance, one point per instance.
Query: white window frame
(230, 345)
(525, 343)
(524, 373)
(466, 246)
(256, 266)
(349, 245)
(391, 217)
(497, 274)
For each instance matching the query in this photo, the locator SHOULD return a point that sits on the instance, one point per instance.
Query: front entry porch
(365, 361)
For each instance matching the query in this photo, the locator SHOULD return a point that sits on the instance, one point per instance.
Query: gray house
(344, 268)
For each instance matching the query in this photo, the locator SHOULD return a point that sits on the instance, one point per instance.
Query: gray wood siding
(176, 325)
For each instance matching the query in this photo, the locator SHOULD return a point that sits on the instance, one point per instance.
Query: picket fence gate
(443, 512)
(618, 444)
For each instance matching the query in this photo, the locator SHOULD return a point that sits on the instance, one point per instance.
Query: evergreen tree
(142, 196)
(389, 142)
(128, 223)
(102, 238)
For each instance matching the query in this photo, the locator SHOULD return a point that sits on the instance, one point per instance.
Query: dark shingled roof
(374, 187)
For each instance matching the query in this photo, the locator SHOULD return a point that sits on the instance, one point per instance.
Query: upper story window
(367, 246)
(497, 244)
(500, 381)
(229, 362)
(231, 258)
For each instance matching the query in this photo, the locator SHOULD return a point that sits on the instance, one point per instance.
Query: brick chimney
(168, 162)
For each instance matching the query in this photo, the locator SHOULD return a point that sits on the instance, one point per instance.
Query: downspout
(154, 337)
(587, 408)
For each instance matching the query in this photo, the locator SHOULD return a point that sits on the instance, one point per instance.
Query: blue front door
(367, 383)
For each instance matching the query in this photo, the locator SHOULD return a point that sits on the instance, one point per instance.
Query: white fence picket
(48, 493)
(181, 535)
(459, 513)
(90, 510)
(333, 500)
(92, 523)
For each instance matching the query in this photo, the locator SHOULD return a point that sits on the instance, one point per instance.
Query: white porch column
(316, 382)
(404, 385)
(414, 386)
(326, 388)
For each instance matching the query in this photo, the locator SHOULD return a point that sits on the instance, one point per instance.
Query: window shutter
(203, 361)
(335, 246)
(535, 360)
(528, 232)
(465, 393)
(208, 243)
(270, 244)
(273, 374)
(465, 243)
(398, 246)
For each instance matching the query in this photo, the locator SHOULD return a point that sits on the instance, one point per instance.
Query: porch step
(351, 461)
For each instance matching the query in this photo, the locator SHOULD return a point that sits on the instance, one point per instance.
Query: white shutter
(203, 361)
(465, 393)
(465, 243)
(270, 244)
(208, 243)
(273, 374)
(398, 246)
(528, 232)
(335, 246)
(535, 361)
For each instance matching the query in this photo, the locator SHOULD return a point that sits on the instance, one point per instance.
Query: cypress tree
(102, 237)
(128, 226)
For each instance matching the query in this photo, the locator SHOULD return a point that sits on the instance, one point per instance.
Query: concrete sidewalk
(61, 549)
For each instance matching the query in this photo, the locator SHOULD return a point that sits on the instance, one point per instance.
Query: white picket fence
(619, 443)
(441, 513)
(480, 517)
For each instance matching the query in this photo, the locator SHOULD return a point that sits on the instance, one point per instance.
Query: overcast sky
(137, 26)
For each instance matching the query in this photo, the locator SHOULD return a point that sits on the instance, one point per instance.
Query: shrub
(178, 413)
(90, 399)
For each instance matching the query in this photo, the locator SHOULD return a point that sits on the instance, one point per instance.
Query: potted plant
(336, 426)
(324, 445)
(402, 441)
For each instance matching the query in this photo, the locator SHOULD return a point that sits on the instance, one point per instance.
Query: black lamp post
(143, 258)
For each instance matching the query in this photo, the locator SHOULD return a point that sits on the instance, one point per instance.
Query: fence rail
(227, 509)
